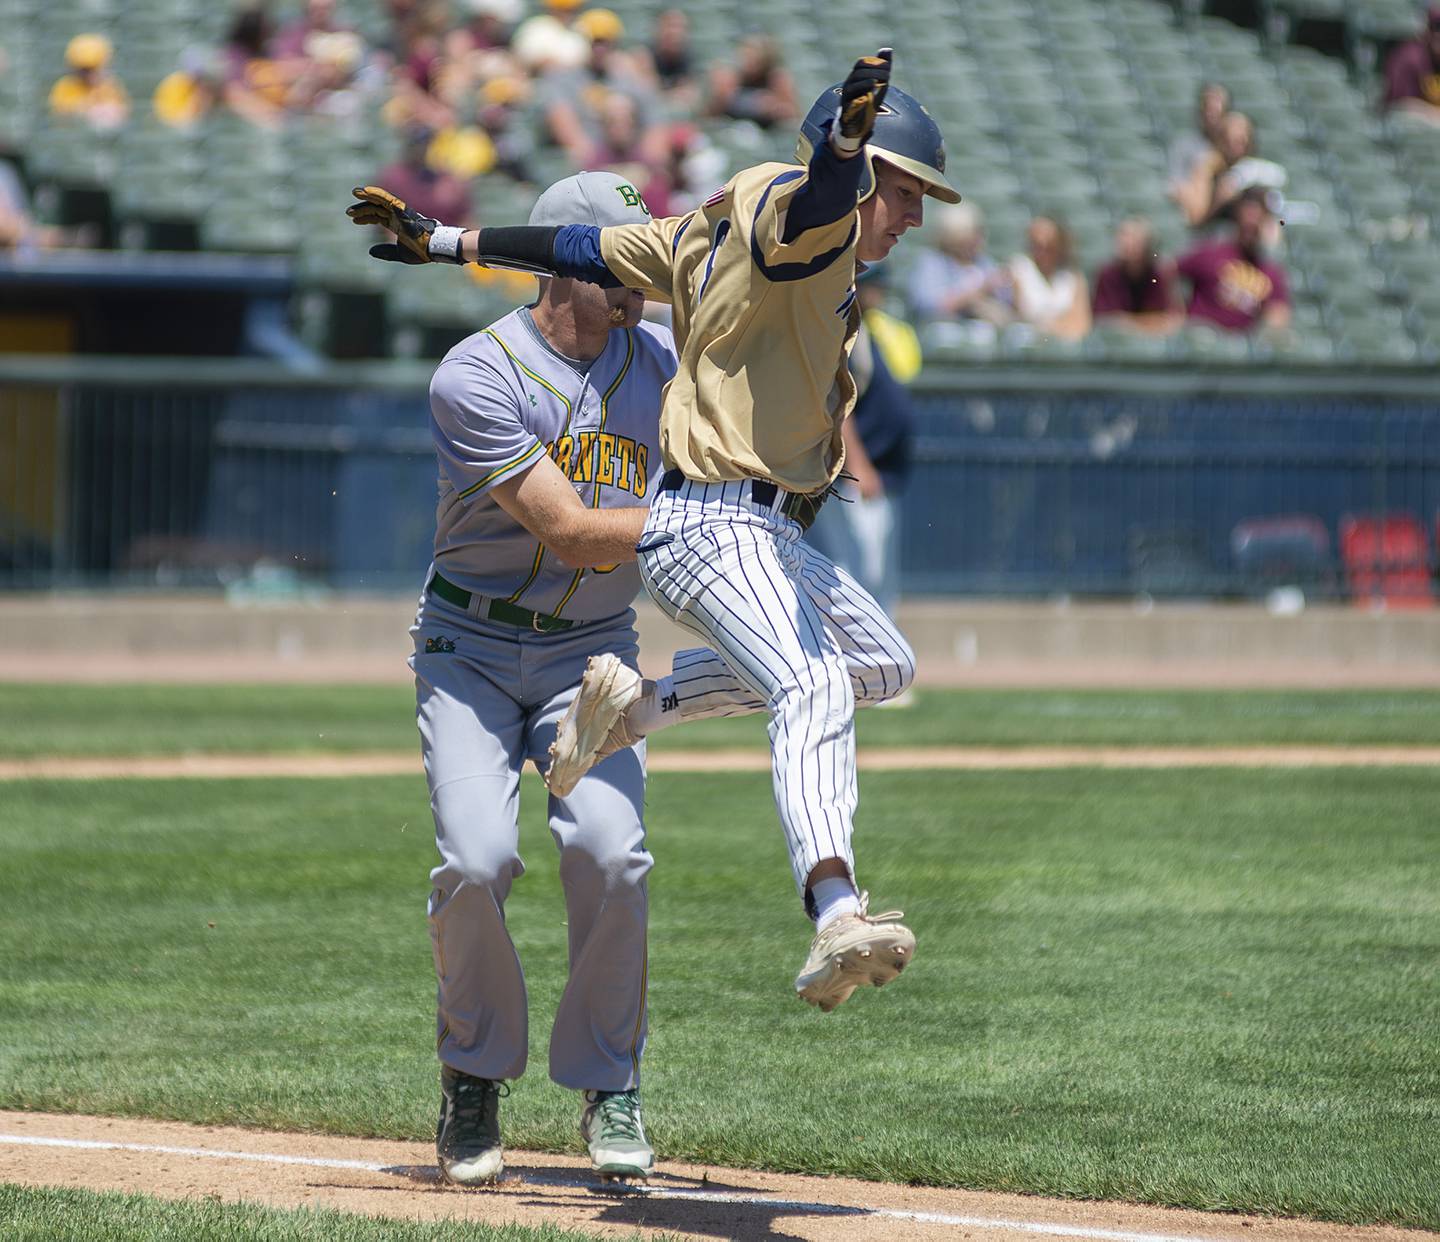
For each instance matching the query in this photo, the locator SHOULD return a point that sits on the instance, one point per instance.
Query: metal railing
(178, 474)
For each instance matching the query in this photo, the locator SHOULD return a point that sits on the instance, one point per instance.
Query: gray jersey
(500, 399)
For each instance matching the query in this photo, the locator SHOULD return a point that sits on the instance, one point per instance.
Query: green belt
(498, 610)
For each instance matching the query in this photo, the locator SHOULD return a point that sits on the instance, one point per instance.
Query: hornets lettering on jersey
(605, 458)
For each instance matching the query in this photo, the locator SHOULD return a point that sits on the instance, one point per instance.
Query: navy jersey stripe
(781, 272)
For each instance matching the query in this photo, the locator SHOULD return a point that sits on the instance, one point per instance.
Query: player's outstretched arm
(641, 255)
(545, 503)
(572, 250)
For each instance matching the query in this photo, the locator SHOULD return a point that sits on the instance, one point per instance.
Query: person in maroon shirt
(1136, 288)
(1233, 284)
(1412, 73)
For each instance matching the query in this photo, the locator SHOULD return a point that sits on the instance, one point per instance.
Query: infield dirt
(892, 759)
(398, 1180)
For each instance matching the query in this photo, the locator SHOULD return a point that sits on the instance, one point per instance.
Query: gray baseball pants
(489, 697)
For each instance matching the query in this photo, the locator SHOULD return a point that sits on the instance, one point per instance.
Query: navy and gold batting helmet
(905, 136)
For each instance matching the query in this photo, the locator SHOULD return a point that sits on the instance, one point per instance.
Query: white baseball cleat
(854, 951)
(594, 726)
(610, 1125)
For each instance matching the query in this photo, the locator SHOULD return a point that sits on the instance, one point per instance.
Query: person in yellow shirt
(89, 92)
(186, 97)
(761, 279)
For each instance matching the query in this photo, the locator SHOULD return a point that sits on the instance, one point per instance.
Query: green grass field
(1212, 988)
(82, 1216)
(153, 719)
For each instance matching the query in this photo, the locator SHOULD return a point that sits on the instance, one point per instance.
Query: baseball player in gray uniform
(546, 428)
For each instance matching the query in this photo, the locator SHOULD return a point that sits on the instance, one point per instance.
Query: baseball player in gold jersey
(761, 279)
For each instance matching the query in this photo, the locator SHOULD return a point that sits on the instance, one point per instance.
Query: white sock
(833, 898)
(658, 707)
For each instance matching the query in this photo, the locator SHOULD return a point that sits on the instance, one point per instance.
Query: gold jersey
(763, 328)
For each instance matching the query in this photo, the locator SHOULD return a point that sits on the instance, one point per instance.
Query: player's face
(897, 206)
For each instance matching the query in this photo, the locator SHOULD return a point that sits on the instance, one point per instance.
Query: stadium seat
(1387, 561)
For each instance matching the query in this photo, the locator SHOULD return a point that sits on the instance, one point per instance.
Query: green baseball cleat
(610, 1123)
(467, 1140)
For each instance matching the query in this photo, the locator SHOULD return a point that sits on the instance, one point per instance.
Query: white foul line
(320, 1162)
(657, 1192)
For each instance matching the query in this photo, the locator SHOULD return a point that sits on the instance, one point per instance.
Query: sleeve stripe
(780, 272)
(499, 470)
(679, 233)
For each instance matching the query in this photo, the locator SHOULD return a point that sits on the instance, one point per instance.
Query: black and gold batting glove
(418, 239)
(860, 98)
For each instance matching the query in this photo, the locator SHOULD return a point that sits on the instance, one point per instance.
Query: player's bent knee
(486, 869)
(894, 672)
(904, 667)
(822, 689)
(606, 866)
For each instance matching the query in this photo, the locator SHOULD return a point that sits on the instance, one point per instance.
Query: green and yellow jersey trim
(595, 448)
(499, 470)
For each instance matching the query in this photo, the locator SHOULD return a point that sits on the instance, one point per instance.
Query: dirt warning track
(399, 1180)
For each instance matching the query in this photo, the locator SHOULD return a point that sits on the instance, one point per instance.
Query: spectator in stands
(491, 24)
(1412, 74)
(419, 86)
(670, 63)
(550, 38)
(257, 86)
(1051, 295)
(757, 88)
(892, 334)
(19, 234)
(1232, 169)
(956, 279)
(575, 100)
(90, 92)
(186, 97)
(1190, 148)
(318, 18)
(440, 194)
(332, 81)
(1234, 284)
(494, 139)
(692, 167)
(1136, 288)
(622, 145)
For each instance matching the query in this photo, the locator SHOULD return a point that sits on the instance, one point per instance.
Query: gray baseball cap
(598, 198)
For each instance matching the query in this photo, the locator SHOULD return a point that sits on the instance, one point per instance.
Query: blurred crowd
(1229, 279)
(474, 87)
(532, 90)
(535, 90)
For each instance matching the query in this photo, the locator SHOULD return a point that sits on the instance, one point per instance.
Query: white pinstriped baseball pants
(792, 634)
